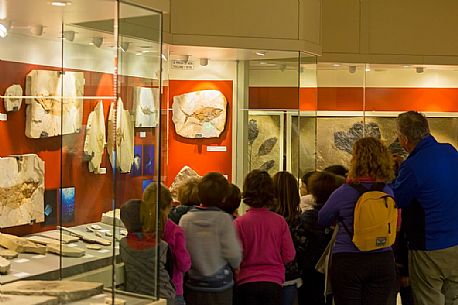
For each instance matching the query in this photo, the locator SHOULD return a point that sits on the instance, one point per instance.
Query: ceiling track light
(352, 69)
(204, 62)
(69, 35)
(60, 3)
(3, 31)
(124, 46)
(261, 53)
(37, 30)
(420, 69)
(97, 41)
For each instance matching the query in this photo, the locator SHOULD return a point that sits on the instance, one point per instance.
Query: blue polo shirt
(427, 191)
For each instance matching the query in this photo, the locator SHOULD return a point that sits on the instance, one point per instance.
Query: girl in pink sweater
(267, 244)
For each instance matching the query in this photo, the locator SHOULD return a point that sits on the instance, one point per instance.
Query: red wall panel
(193, 152)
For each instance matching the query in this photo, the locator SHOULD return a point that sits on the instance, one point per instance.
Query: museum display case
(80, 134)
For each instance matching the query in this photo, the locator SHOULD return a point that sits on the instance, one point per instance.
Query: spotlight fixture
(420, 69)
(37, 30)
(60, 3)
(3, 31)
(164, 58)
(124, 46)
(282, 67)
(204, 62)
(368, 69)
(261, 53)
(69, 35)
(97, 41)
(352, 69)
(336, 65)
(139, 53)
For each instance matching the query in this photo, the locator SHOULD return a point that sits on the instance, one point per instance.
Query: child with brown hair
(266, 241)
(213, 245)
(138, 252)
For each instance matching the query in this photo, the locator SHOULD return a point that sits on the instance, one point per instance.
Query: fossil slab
(65, 238)
(264, 142)
(93, 247)
(27, 300)
(120, 142)
(13, 99)
(181, 178)
(21, 190)
(9, 254)
(57, 105)
(65, 291)
(146, 107)
(199, 114)
(53, 246)
(20, 245)
(110, 216)
(65, 250)
(5, 265)
(88, 237)
(95, 140)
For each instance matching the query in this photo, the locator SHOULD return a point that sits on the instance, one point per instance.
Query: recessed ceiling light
(91, 43)
(60, 3)
(368, 69)
(336, 65)
(3, 31)
(406, 66)
(260, 53)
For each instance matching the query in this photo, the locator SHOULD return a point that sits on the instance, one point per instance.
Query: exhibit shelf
(46, 267)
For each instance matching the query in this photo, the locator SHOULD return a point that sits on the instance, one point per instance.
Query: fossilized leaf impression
(146, 107)
(57, 106)
(21, 190)
(95, 141)
(200, 114)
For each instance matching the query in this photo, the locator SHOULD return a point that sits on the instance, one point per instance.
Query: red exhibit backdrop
(63, 155)
(193, 152)
(352, 99)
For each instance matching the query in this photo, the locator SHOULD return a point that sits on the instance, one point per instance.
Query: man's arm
(405, 187)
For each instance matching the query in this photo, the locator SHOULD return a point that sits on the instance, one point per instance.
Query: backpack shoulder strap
(378, 186)
(359, 187)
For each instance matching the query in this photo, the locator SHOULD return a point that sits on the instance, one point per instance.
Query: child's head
(287, 194)
(150, 207)
(130, 215)
(337, 169)
(188, 193)
(322, 184)
(213, 189)
(258, 189)
(232, 201)
(304, 183)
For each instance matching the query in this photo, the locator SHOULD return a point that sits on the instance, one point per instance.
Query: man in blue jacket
(426, 190)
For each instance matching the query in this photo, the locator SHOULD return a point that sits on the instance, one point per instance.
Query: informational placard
(216, 148)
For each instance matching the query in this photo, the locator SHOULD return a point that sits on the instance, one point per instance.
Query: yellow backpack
(375, 218)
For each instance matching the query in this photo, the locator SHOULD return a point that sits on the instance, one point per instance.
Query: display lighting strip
(60, 97)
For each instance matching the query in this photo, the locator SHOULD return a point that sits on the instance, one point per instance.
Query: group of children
(215, 256)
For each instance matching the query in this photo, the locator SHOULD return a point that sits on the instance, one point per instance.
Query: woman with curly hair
(363, 278)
